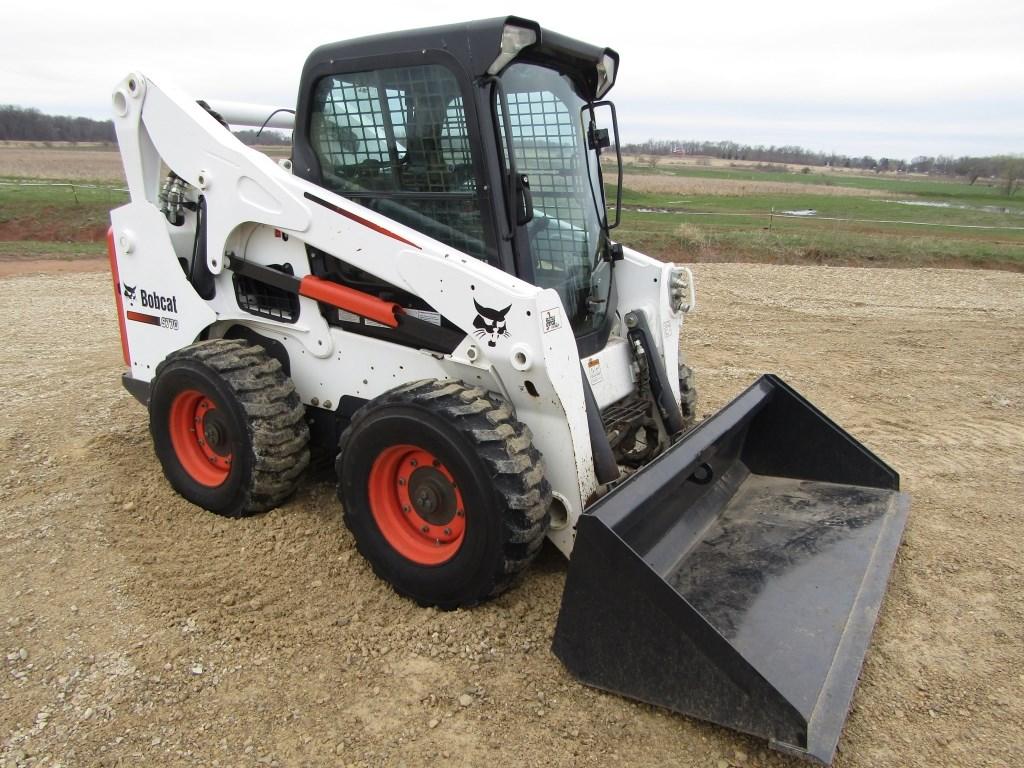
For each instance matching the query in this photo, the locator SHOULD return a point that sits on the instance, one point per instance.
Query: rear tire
(228, 427)
(443, 492)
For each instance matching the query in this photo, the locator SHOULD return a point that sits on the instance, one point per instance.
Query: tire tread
(276, 417)
(506, 447)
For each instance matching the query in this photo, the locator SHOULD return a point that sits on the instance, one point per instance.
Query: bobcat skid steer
(428, 294)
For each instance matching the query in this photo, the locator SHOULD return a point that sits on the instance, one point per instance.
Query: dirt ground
(136, 629)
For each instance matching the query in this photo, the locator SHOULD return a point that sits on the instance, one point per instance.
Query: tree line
(21, 124)
(972, 168)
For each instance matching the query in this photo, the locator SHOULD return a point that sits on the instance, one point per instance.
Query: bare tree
(1013, 171)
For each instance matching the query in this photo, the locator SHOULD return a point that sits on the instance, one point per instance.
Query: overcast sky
(896, 78)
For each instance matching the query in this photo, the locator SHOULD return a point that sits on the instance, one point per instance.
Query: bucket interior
(763, 541)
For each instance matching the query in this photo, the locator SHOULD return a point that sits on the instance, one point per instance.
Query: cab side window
(397, 141)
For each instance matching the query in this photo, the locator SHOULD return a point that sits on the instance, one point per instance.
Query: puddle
(935, 204)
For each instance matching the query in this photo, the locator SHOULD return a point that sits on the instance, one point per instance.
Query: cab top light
(605, 75)
(513, 40)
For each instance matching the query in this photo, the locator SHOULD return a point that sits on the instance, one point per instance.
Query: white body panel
(248, 197)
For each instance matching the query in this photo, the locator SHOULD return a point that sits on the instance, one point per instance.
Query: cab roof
(475, 45)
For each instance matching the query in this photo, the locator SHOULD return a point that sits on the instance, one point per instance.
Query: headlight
(513, 40)
(605, 75)
(681, 293)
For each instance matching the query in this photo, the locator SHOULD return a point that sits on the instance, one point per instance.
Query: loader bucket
(737, 578)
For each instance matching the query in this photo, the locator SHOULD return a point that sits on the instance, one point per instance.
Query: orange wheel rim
(417, 504)
(200, 438)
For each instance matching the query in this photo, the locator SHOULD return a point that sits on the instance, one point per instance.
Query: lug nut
(425, 529)
(413, 463)
(401, 481)
(405, 508)
(460, 513)
(447, 531)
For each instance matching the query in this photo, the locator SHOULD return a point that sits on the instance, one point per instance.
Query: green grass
(982, 192)
(872, 231)
(828, 206)
(56, 213)
(798, 241)
(17, 250)
(32, 193)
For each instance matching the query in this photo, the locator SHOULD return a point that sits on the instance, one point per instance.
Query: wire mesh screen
(545, 116)
(397, 140)
(545, 139)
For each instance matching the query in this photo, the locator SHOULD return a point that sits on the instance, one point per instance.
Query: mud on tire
(470, 452)
(228, 427)
(687, 395)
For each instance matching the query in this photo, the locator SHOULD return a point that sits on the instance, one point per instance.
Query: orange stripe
(117, 296)
(140, 317)
(357, 302)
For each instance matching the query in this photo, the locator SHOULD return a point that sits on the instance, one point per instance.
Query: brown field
(74, 162)
(703, 161)
(87, 162)
(140, 630)
(685, 185)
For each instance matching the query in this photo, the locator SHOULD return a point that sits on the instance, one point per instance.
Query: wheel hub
(416, 504)
(215, 431)
(432, 495)
(201, 438)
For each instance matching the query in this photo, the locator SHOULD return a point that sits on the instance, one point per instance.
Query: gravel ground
(136, 629)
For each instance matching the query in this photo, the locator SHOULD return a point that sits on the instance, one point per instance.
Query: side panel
(532, 357)
(162, 311)
(645, 284)
(610, 372)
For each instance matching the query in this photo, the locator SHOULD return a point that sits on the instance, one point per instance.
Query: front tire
(443, 492)
(228, 427)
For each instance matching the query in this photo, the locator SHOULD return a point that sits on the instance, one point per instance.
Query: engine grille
(258, 298)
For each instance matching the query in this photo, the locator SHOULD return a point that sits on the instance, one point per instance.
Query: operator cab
(482, 136)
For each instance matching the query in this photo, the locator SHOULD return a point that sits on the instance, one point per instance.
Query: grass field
(720, 213)
(54, 222)
(679, 209)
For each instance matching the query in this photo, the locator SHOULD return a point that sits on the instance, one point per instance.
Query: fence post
(771, 217)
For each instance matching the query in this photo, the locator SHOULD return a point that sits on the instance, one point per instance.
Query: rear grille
(619, 418)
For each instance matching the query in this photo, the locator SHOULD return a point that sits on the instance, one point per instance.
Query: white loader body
(261, 214)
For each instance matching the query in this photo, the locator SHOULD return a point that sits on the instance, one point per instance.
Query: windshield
(548, 124)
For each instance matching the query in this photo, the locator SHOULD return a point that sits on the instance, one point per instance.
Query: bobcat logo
(490, 323)
(129, 291)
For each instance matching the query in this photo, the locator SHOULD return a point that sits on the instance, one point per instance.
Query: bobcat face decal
(129, 291)
(490, 323)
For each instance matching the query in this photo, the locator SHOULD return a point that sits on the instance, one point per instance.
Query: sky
(890, 79)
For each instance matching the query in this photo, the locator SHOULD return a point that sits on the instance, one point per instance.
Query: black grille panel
(263, 300)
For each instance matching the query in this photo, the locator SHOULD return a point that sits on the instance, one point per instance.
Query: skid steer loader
(428, 295)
